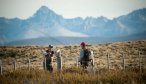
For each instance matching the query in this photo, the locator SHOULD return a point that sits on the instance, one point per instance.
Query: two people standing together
(48, 61)
(86, 57)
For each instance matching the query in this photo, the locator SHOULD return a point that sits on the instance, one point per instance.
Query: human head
(50, 47)
(83, 45)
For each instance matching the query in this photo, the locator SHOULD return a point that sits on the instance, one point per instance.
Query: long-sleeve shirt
(49, 56)
(81, 54)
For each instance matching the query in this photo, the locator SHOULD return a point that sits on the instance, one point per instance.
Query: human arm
(81, 55)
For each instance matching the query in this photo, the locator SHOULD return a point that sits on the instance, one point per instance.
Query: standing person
(85, 55)
(49, 58)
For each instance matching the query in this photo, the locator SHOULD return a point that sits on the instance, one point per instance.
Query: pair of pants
(49, 67)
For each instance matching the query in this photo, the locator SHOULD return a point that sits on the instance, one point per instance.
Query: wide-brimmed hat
(50, 46)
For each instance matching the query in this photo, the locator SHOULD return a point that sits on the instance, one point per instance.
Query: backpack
(87, 55)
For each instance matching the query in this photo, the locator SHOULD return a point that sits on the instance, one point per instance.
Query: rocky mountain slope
(46, 23)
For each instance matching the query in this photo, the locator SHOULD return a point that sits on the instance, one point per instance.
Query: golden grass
(130, 50)
(73, 75)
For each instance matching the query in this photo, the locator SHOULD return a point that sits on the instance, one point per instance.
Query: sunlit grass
(73, 75)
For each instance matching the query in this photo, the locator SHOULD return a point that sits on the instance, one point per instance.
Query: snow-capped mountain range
(46, 23)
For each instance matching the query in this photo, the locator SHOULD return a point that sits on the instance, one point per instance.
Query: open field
(73, 76)
(111, 71)
(130, 50)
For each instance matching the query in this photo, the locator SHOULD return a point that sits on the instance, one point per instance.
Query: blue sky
(70, 8)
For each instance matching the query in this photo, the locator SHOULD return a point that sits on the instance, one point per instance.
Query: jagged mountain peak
(102, 17)
(45, 22)
(137, 15)
(45, 11)
(140, 13)
(45, 16)
(44, 8)
(143, 10)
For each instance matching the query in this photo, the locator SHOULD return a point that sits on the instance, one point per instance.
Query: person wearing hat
(49, 58)
(85, 55)
(83, 47)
